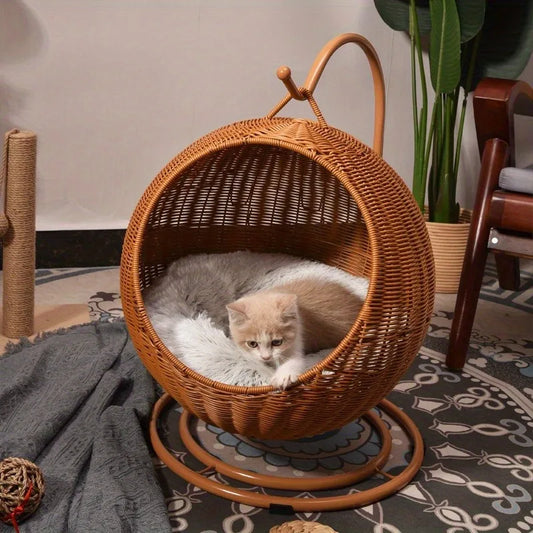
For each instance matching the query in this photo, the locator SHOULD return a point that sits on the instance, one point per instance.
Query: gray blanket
(76, 403)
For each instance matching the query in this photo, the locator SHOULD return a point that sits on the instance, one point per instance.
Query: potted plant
(468, 40)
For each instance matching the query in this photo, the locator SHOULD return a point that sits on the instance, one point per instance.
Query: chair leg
(508, 267)
(466, 305)
(495, 155)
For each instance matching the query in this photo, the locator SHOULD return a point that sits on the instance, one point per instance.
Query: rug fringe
(13, 347)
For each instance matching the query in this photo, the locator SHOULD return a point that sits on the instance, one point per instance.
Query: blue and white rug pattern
(477, 425)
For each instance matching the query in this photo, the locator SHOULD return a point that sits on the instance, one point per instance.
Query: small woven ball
(300, 526)
(21, 489)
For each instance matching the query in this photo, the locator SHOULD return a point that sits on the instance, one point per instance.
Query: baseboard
(78, 248)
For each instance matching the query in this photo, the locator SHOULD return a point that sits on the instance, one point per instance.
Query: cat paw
(283, 380)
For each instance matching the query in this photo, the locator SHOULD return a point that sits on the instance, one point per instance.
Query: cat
(280, 325)
(204, 284)
(186, 306)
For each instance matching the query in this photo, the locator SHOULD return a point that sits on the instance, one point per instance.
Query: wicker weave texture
(299, 187)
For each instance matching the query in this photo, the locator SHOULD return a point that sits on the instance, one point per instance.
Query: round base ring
(297, 504)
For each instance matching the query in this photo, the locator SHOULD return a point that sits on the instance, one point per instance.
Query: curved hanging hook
(284, 74)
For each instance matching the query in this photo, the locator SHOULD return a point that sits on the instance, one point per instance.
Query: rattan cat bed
(300, 187)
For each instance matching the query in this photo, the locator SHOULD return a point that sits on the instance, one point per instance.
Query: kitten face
(265, 325)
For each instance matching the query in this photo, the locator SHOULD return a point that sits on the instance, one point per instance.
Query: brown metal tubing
(298, 504)
(321, 60)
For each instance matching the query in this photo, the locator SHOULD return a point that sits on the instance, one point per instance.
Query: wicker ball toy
(300, 526)
(21, 489)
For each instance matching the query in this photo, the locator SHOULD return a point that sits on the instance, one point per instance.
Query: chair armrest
(496, 101)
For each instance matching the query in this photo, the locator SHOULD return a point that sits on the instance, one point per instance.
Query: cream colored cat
(280, 325)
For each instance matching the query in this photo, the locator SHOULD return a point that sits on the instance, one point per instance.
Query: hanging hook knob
(284, 74)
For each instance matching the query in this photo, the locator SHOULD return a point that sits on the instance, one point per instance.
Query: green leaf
(506, 40)
(395, 13)
(471, 17)
(445, 46)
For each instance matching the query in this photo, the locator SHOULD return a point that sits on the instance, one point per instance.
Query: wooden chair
(502, 218)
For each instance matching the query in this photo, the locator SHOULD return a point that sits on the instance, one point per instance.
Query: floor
(66, 297)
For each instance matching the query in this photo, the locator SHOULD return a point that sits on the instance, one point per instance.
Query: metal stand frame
(328, 503)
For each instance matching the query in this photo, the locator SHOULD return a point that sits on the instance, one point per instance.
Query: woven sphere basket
(299, 187)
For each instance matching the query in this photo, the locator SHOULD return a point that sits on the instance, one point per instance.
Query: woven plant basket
(448, 242)
(298, 187)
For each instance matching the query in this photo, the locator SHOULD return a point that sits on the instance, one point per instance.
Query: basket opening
(256, 197)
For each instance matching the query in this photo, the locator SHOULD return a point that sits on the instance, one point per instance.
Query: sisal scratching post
(17, 226)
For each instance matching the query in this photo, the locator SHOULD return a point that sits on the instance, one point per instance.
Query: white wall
(115, 88)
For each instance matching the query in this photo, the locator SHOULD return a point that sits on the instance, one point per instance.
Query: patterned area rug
(477, 425)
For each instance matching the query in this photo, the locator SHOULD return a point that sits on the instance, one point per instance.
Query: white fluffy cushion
(186, 306)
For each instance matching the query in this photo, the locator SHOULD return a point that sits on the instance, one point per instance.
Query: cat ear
(288, 305)
(237, 312)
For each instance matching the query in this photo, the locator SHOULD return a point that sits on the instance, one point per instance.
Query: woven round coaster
(300, 526)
